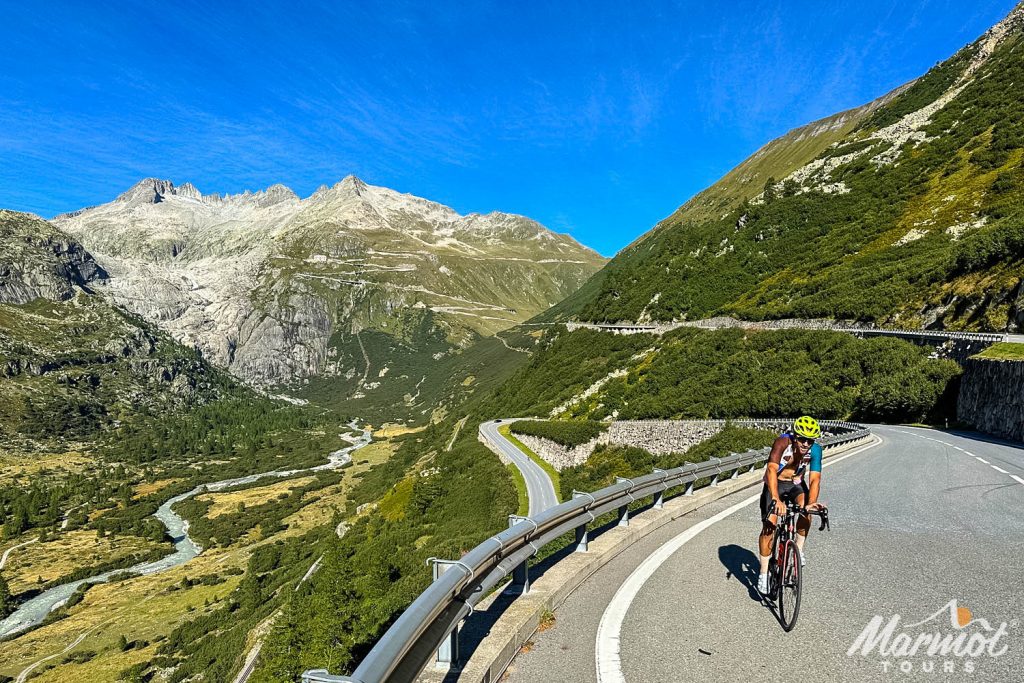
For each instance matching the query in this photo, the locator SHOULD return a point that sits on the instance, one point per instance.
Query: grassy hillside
(1004, 351)
(695, 374)
(53, 391)
(418, 377)
(910, 217)
(777, 159)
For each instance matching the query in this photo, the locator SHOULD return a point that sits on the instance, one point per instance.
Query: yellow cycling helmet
(807, 427)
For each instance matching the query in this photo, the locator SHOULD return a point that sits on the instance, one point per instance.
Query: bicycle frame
(785, 535)
(785, 529)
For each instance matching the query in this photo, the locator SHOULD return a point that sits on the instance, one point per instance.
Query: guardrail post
(718, 461)
(659, 497)
(582, 538)
(623, 516)
(521, 573)
(448, 652)
(735, 472)
(624, 510)
(582, 532)
(521, 577)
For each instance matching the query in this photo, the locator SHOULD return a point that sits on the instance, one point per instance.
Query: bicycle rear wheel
(789, 586)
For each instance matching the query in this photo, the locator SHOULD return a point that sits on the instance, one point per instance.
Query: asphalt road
(921, 520)
(539, 488)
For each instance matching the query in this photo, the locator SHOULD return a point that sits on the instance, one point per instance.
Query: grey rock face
(991, 398)
(37, 261)
(262, 282)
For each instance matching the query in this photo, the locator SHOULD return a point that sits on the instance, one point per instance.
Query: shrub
(569, 433)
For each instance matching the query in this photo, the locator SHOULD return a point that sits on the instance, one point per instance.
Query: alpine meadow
(237, 428)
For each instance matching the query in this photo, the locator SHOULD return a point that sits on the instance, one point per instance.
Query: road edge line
(607, 653)
(519, 622)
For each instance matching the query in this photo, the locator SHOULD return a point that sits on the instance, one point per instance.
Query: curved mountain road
(7, 553)
(922, 519)
(539, 488)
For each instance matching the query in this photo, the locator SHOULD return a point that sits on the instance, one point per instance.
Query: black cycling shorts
(788, 492)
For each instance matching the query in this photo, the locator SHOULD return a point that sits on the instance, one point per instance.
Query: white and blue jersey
(812, 463)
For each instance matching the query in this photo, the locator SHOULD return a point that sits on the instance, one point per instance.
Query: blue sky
(595, 118)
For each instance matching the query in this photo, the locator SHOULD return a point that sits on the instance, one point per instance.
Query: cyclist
(793, 475)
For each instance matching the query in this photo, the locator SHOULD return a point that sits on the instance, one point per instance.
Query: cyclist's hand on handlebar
(816, 507)
(780, 507)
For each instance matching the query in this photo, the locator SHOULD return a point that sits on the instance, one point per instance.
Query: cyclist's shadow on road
(742, 565)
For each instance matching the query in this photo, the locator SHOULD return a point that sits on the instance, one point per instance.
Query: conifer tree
(6, 601)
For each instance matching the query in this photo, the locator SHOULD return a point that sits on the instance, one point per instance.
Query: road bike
(785, 575)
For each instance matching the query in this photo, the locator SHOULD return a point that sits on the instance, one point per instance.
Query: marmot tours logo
(932, 645)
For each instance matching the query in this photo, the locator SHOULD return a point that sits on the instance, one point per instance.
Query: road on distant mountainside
(721, 323)
(539, 488)
(7, 553)
(924, 519)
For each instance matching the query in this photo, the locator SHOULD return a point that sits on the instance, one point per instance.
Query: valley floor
(87, 644)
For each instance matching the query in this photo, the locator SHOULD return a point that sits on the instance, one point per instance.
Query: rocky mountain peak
(351, 256)
(156, 190)
(352, 185)
(187, 190)
(275, 194)
(148, 191)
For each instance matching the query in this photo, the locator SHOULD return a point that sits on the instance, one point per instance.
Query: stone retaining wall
(555, 454)
(991, 397)
(659, 437)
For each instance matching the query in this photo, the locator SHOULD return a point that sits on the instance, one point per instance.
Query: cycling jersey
(812, 461)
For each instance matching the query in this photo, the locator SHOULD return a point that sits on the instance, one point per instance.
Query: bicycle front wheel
(790, 577)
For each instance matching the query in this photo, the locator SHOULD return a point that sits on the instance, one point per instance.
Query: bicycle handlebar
(797, 510)
(822, 512)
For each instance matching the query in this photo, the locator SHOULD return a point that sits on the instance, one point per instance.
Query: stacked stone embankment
(659, 437)
(991, 398)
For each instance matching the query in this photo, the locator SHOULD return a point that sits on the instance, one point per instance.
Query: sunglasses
(804, 440)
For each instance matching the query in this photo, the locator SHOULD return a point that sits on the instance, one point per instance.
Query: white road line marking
(607, 654)
(978, 458)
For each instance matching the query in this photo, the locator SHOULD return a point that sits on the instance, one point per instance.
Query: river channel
(34, 610)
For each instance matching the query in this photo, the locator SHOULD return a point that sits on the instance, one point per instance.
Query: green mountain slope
(71, 364)
(909, 214)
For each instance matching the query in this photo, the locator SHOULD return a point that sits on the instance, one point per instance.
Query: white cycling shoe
(762, 584)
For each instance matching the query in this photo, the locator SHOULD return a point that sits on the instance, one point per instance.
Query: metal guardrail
(767, 325)
(989, 337)
(430, 624)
